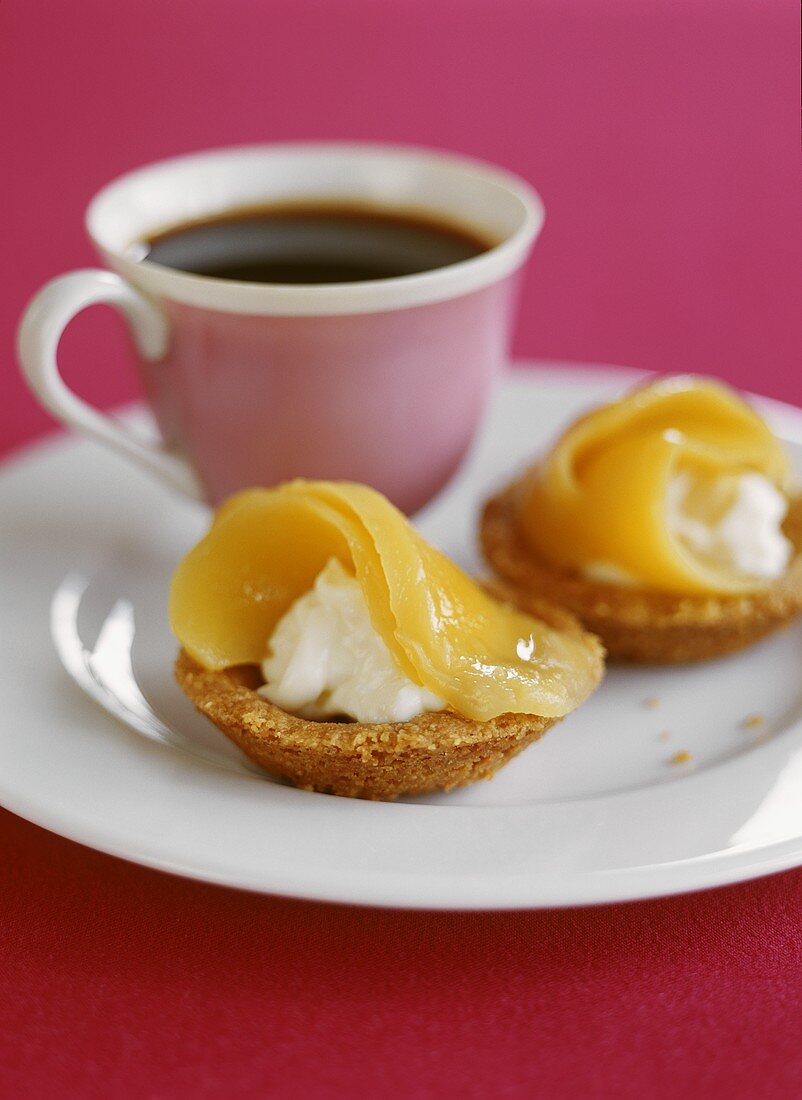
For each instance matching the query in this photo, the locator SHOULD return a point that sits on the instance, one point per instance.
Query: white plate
(595, 812)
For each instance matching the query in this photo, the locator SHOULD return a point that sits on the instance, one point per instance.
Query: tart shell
(636, 624)
(437, 750)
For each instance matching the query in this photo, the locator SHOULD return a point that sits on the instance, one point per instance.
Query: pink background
(663, 137)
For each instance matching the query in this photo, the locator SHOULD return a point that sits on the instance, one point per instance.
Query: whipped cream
(606, 573)
(325, 659)
(748, 537)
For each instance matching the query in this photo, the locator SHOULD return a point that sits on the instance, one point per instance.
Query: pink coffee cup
(382, 381)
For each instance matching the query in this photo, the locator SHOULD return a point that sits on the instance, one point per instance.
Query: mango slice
(265, 548)
(599, 498)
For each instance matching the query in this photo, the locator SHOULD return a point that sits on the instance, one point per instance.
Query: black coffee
(311, 244)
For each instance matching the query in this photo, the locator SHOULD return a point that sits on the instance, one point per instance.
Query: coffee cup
(380, 378)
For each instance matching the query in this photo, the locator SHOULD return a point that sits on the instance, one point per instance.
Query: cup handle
(43, 322)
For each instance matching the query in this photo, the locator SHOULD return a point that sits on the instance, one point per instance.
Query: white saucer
(596, 812)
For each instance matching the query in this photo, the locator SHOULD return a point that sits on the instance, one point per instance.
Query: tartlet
(433, 750)
(638, 625)
(642, 622)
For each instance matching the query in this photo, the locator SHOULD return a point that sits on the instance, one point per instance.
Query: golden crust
(435, 751)
(637, 624)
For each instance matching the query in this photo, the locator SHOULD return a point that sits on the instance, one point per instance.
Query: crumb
(652, 702)
(681, 757)
(753, 722)
(665, 736)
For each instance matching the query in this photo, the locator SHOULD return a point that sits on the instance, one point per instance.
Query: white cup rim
(128, 208)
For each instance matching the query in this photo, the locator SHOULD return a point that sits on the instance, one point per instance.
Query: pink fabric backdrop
(663, 135)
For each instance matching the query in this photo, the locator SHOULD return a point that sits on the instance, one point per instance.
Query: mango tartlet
(666, 521)
(338, 649)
